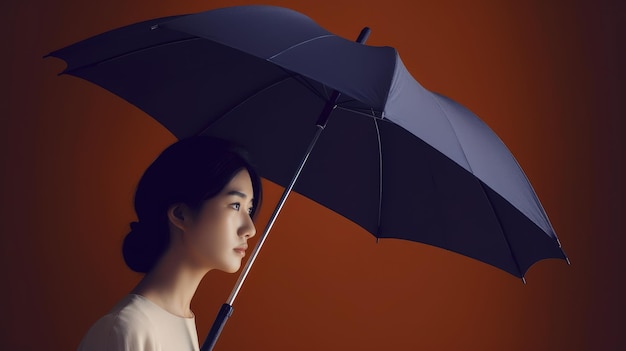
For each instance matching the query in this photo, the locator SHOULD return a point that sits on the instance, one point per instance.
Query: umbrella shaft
(321, 124)
(272, 219)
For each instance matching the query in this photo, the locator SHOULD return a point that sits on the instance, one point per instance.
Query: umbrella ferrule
(331, 104)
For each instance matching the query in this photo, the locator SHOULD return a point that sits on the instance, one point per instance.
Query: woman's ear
(179, 216)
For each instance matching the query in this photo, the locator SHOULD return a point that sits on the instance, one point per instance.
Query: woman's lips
(241, 250)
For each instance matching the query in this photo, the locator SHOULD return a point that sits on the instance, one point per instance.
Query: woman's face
(218, 235)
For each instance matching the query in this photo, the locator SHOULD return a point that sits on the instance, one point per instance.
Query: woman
(194, 205)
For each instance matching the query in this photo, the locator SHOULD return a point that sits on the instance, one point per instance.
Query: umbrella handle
(220, 320)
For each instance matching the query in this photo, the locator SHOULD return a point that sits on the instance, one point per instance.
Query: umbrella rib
(506, 239)
(360, 113)
(243, 101)
(380, 178)
(325, 95)
(307, 84)
(289, 75)
(115, 57)
(298, 44)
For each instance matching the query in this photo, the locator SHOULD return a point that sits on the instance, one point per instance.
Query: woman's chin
(230, 268)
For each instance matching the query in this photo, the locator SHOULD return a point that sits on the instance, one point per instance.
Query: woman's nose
(247, 230)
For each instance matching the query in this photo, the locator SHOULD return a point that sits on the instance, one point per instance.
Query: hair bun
(139, 253)
(138, 228)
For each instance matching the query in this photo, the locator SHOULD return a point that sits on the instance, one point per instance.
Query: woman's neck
(171, 284)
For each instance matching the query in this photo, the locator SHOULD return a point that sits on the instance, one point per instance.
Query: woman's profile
(194, 205)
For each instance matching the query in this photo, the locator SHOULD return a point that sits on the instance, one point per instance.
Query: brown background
(548, 78)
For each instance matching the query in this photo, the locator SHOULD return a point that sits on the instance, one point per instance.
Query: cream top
(138, 324)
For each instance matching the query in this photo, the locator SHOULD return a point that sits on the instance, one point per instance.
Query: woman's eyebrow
(237, 193)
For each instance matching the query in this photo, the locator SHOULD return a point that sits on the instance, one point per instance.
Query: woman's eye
(250, 210)
(236, 206)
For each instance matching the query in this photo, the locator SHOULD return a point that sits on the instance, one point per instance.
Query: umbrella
(359, 134)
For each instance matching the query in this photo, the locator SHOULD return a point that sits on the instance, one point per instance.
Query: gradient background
(547, 76)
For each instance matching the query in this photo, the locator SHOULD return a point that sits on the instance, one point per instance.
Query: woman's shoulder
(134, 308)
(127, 326)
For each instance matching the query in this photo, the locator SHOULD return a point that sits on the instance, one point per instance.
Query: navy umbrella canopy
(398, 160)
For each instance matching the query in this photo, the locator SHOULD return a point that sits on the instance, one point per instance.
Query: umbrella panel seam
(455, 133)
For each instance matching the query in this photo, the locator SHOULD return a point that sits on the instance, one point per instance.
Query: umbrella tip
(365, 33)
(524, 280)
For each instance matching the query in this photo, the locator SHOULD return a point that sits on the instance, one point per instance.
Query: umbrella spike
(365, 33)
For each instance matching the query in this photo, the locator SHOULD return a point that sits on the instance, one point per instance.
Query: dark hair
(189, 171)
